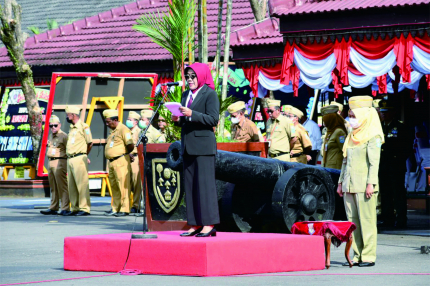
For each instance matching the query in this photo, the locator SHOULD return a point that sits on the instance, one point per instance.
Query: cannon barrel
(261, 191)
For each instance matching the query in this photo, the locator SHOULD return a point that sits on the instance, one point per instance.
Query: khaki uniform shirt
(361, 166)
(154, 136)
(332, 149)
(57, 145)
(117, 140)
(279, 133)
(162, 138)
(245, 131)
(135, 134)
(79, 138)
(303, 141)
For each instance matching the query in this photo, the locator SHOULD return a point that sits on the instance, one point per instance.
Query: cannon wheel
(304, 194)
(174, 156)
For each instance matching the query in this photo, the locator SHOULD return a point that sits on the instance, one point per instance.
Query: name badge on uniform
(111, 144)
(325, 147)
(128, 136)
(72, 140)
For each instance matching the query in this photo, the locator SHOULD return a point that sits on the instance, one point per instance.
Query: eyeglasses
(53, 125)
(191, 76)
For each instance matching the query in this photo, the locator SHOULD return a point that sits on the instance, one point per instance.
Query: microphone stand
(144, 140)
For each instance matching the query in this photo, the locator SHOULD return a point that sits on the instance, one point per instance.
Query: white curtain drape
(421, 61)
(373, 67)
(265, 83)
(358, 81)
(312, 68)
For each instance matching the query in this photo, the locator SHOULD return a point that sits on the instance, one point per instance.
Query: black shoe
(110, 213)
(192, 233)
(70, 214)
(366, 264)
(212, 232)
(49, 212)
(121, 214)
(134, 210)
(353, 263)
(82, 213)
(63, 212)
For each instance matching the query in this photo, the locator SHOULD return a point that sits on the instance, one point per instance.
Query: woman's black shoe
(192, 233)
(212, 232)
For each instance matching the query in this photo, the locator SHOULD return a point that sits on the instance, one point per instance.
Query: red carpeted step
(225, 254)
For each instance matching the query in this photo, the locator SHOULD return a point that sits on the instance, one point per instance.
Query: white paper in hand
(174, 108)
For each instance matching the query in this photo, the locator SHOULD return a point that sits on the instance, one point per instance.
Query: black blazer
(197, 135)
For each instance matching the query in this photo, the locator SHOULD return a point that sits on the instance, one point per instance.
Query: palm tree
(169, 29)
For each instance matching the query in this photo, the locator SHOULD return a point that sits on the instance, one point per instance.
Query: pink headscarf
(203, 74)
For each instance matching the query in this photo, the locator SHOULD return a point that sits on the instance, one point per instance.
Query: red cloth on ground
(341, 230)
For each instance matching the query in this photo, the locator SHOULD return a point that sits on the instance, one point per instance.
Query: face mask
(69, 120)
(354, 122)
(234, 120)
(129, 124)
(142, 124)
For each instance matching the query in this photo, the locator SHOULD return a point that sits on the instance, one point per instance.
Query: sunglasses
(270, 110)
(192, 76)
(161, 120)
(53, 125)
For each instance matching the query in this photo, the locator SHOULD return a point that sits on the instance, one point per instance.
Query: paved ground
(31, 249)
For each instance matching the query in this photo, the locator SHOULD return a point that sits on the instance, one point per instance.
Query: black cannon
(265, 195)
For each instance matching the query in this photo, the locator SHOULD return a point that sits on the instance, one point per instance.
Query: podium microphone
(178, 83)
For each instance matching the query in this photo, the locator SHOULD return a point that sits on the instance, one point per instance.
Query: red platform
(169, 254)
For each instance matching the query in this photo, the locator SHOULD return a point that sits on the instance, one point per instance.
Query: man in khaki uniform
(119, 145)
(153, 135)
(279, 131)
(57, 172)
(79, 145)
(242, 129)
(301, 145)
(136, 181)
(358, 180)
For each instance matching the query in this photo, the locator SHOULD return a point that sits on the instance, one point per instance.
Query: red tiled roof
(265, 32)
(108, 37)
(291, 7)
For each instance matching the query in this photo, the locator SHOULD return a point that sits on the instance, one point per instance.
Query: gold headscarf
(370, 127)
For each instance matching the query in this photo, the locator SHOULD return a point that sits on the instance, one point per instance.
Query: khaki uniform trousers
(136, 183)
(285, 157)
(79, 188)
(362, 212)
(119, 179)
(57, 176)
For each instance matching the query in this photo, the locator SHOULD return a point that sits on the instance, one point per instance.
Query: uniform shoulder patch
(128, 136)
(87, 130)
(378, 142)
(342, 139)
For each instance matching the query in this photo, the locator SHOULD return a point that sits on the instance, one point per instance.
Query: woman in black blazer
(200, 109)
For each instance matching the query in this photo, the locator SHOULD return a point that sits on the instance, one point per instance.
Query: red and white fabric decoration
(355, 63)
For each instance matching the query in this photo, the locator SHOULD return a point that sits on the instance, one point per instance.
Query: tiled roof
(36, 12)
(291, 7)
(265, 32)
(108, 37)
